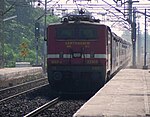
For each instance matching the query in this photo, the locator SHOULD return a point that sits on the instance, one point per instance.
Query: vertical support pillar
(139, 45)
(145, 51)
(134, 38)
(37, 35)
(131, 23)
(130, 10)
(45, 33)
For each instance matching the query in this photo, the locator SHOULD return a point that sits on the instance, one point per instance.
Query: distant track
(14, 95)
(20, 85)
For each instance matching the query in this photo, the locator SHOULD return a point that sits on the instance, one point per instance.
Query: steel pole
(134, 38)
(139, 44)
(145, 51)
(37, 51)
(130, 10)
(45, 45)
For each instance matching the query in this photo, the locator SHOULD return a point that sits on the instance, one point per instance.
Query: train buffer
(126, 95)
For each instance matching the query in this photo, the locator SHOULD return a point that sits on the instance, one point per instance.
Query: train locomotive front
(78, 56)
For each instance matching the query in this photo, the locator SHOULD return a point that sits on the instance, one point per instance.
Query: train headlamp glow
(57, 76)
(61, 55)
(77, 55)
(92, 55)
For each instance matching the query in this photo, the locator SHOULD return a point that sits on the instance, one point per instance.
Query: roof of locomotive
(78, 19)
(79, 22)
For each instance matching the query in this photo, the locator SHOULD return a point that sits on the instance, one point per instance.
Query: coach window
(116, 43)
(114, 47)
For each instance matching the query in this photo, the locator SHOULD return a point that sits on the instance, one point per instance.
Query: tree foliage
(140, 38)
(21, 30)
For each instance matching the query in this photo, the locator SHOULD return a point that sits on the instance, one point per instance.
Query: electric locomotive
(83, 54)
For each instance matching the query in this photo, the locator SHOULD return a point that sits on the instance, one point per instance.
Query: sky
(105, 11)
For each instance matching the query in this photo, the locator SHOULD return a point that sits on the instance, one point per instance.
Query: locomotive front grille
(76, 78)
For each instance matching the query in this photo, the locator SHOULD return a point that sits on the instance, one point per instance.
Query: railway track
(58, 107)
(43, 107)
(40, 102)
(25, 102)
(14, 91)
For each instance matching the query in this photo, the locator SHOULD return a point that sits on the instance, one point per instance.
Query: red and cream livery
(82, 55)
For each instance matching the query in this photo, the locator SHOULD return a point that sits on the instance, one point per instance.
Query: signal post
(37, 35)
(133, 37)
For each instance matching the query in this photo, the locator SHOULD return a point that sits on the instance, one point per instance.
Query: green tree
(21, 29)
(126, 35)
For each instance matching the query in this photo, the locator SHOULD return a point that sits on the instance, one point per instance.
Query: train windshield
(76, 33)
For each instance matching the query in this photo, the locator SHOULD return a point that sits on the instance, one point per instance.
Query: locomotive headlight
(57, 76)
(92, 55)
(61, 55)
(77, 55)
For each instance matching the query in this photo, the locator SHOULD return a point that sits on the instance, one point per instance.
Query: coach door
(109, 52)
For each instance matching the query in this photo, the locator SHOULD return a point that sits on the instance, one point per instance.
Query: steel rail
(43, 107)
(8, 88)
(22, 92)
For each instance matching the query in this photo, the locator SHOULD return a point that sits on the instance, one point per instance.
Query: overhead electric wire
(114, 7)
(77, 5)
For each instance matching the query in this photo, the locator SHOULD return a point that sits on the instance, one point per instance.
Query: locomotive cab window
(87, 33)
(65, 33)
(76, 33)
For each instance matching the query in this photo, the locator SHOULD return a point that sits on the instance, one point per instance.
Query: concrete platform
(126, 95)
(13, 76)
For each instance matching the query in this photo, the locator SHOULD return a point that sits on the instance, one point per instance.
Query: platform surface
(126, 95)
(14, 76)
(14, 72)
(17, 69)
